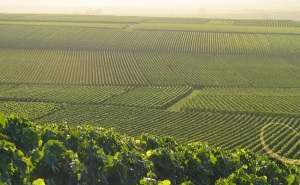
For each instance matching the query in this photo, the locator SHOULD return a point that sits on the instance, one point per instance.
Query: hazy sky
(163, 5)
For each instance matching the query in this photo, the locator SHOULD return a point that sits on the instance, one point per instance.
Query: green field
(140, 69)
(31, 110)
(220, 26)
(216, 81)
(246, 100)
(158, 41)
(156, 97)
(61, 94)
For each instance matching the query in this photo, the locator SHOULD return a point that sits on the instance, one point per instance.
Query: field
(223, 82)
(246, 100)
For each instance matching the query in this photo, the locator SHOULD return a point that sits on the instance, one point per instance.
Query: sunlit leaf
(165, 182)
(2, 120)
(290, 179)
(39, 182)
(213, 159)
(143, 181)
(149, 153)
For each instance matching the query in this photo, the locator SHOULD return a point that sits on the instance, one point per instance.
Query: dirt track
(270, 152)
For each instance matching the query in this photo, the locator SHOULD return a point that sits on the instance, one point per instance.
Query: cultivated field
(217, 81)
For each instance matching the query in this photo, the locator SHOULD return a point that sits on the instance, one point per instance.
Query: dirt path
(270, 152)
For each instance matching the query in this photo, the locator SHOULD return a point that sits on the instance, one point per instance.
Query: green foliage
(39, 182)
(229, 131)
(63, 154)
(80, 63)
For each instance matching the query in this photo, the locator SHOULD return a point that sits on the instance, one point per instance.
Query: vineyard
(228, 83)
(219, 26)
(229, 131)
(70, 18)
(156, 97)
(64, 154)
(246, 100)
(64, 24)
(60, 94)
(31, 110)
(134, 19)
(142, 69)
(94, 39)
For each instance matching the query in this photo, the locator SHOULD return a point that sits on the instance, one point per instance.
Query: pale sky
(153, 5)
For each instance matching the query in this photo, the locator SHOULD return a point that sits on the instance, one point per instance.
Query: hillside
(64, 154)
(229, 83)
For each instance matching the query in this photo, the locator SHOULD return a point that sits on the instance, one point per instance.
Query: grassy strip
(176, 107)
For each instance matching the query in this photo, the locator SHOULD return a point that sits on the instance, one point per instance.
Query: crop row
(269, 71)
(153, 96)
(30, 110)
(233, 22)
(280, 139)
(76, 38)
(131, 69)
(255, 22)
(70, 18)
(229, 131)
(268, 23)
(61, 94)
(65, 24)
(157, 97)
(241, 100)
(217, 26)
(220, 70)
(70, 67)
(251, 91)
